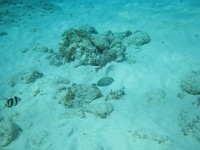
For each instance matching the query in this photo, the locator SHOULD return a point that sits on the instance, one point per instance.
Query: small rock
(79, 94)
(9, 131)
(115, 94)
(103, 110)
(191, 83)
(3, 33)
(33, 76)
(138, 38)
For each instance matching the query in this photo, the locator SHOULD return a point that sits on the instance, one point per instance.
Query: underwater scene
(99, 74)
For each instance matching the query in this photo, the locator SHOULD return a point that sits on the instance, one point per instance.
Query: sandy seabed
(157, 84)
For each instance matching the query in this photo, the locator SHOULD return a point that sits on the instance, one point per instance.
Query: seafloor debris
(33, 76)
(72, 113)
(102, 109)
(191, 83)
(85, 46)
(105, 81)
(181, 95)
(116, 95)
(38, 139)
(143, 137)
(138, 38)
(9, 131)
(26, 77)
(19, 12)
(83, 97)
(189, 122)
(154, 96)
(79, 94)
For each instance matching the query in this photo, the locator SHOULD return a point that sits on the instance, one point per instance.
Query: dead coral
(86, 47)
(33, 76)
(79, 94)
(103, 109)
(116, 95)
(9, 131)
(191, 83)
(26, 77)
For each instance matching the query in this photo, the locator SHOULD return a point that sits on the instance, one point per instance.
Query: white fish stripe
(9, 102)
(12, 101)
(15, 101)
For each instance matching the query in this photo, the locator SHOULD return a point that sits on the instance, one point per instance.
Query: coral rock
(103, 110)
(191, 83)
(9, 131)
(79, 94)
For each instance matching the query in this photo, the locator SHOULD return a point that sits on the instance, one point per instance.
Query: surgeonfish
(13, 101)
(105, 81)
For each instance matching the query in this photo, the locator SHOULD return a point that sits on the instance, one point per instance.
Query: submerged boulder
(79, 94)
(138, 38)
(9, 131)
(102, 110)
(190, 83)
(86, 46)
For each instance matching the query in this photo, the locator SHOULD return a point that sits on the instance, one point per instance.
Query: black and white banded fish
(12, 101)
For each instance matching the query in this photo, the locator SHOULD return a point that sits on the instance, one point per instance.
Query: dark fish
(105, 81)
(12, 101)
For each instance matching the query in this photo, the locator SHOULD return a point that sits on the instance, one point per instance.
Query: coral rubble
(116, 95)
(9, 131)
(26, 77)
(191, 83)
(189, 122)
(86, 46)
(79, 94)
(103, 110)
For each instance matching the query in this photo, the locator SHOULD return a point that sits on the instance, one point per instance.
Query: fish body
(13, 101)
(105, 81)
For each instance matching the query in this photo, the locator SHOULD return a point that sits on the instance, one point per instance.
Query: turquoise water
(99, 75)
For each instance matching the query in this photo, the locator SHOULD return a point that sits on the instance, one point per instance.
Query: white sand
(134, 124)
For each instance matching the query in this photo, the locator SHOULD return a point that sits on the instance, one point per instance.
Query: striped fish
(12, 101)
(105, 81)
